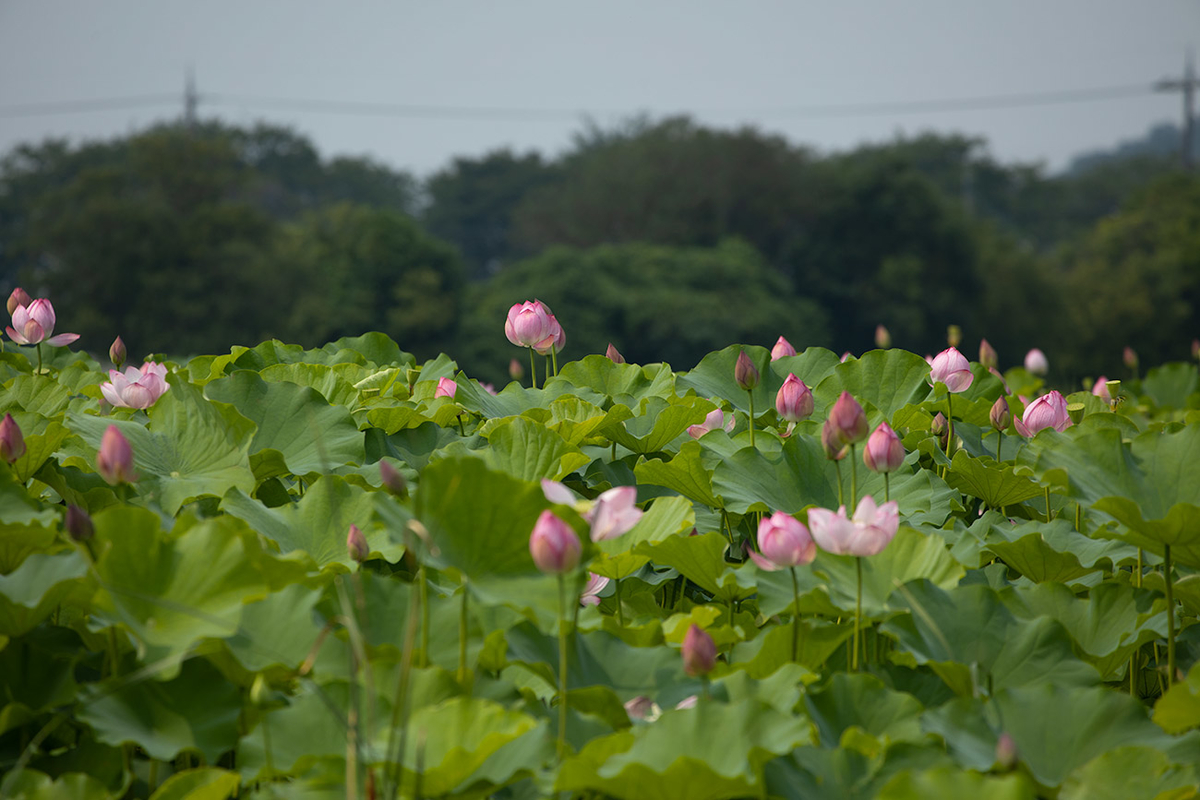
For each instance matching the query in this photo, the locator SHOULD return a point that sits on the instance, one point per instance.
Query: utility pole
(1187, 86)
(190, 100)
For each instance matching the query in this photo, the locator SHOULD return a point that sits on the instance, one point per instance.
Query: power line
(87, 106)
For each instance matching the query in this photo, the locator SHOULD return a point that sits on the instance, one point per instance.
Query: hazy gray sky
(726, 62)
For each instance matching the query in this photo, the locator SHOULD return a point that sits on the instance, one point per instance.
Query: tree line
(665, 237)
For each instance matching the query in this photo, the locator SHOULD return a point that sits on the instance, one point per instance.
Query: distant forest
(665, 237)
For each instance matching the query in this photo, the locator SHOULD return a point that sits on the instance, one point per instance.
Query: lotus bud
(782, 349)
(445, 388)
(988, 355)
(19, 297)
(1036, 362)
(356, 543)
(784, 541)
(1006, 752)
(515, 370)
(78, 524)
(554, 545)
(883, 339)
(846, 356)
(953, 335)
(794, 402)
(745, 373)
(849, 420)
(12, 442)
(392, 480)
(1130, 358)
(831, 444)
(952, 369)
(699, 652)
(529, 325)
(1047, 411)
(1100, 389)
(114, 462)
(614, 355)
(1000, 416)
(116, 353)
(939, 428)
(884, 452)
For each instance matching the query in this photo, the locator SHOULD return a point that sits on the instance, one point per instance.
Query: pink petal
(111, 395)
(62, 339)
(763, 563)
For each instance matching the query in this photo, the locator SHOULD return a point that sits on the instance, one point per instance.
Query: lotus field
(338, 572)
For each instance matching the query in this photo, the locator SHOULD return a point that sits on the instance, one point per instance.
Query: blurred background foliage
(665, 237)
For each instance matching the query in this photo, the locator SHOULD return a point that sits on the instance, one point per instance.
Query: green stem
(1133, 673)
(1079, 518)
(461, 430)
(39, 349)
(887, 488)
(423, 661)
(1170, 615)
(152, 778)
(795, 617)
(728, 528)
(462, 637)
(853, 479)
(751, 418)
(1139, 569)
(613, 455)
(620, 609)
(554, 358)
(949, 425)
(857, 614)
(562, 667)
(532, 370)
(838, 465)
(999, 444)
(1047, 493)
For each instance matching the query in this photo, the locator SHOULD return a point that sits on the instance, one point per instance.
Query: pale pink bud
(884, 452)
(849, 420)
(1048, 411)
(445, 388)
(614, 355)
(553, 544)
(1036, 362)
(699, 651)
(19, 297)
(392, 480)
(988, 355)
(515, 370)
(883, 339)
(782, 349)
(356, 544)
(1000, 416)
(78, 524)
(951, 368)
(114, 462)
(784, 541)
(794, 402)
(831, 443)
(528, 324)
(116, 353)
(846, 356)
(556, 341)
(12, 442)
(745, 373)
(870, 530)
(1100, 389)
(1006, 752)
(1130, 357)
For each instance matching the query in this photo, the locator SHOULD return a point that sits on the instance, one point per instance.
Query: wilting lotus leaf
(297, 421)
(197, 710)
(624, 384)
(530, 451)
(686, 473)
(996, 485)
(205, 783)
(1179, 709)
(677, 757)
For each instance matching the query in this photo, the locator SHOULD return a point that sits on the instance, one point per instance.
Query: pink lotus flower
(614, 355)
(356, 544)
(849, 420)
(591, 591)
(33, 324)
(715, 420)
(794, 402)
(114, 462)
(528, 325)
(835, 449)
(1100, 389)
(12, 442)
(1036, 362)
(557, 339)
(884, 452)
(553, 544)
(19, 297)
(1048, 411)
(883, 339)
(951, 368)
(117, 353)
(745, 373)
(515, 370)
(699, 651)
(783, 542)
(1130, 357)
(612, 514)
(136, 388)
(870, 530)
(782, 349)
(1000, 416)
(445, 388)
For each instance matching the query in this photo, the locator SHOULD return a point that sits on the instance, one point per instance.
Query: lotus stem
(1139, 568)
(1170, 615)
(554, 358)
(562, 667)
(857, 614)
(1079, 517)
(887, 488)
(795, 617)
(532, 370)
(1046, 491)
(853, 479)
(751, 395)
(39, 352)
(838, 466)
(462, 637)
(728, 528)
(461, 429)
(999, 444)
(400, 708)
(620, 610)
(423, 661)
(949, 424)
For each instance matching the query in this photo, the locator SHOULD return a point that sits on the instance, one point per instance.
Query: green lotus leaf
(530, 451)
(192, 447)
(42, 582)
(38, 449)
(198, 710)
(678, 756)
(998, 486)
(29, 784)
(1131, 773)
(656, 423)
(863, 701)
(881, 380)
(278, 630)
(1066, 551)
(318, 523)
(1179, 709)
(310, 434)
(37, 673)
(333, 383)
(393, 419)
(414, 446)
(714, 378)
(854, 771)
(947, 783)
(205, 783)
(701, 559)
(38, 395)
(596, 658)
(687, 473)
(1172, 385)
(624, 555)
(624, 384)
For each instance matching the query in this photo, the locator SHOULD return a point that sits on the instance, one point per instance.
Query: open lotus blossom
(591, 591)
(783, 541)
(553, 544)
(870, 530)
(883, 452)
(1048, 411)
(445, 388)
(715, 420)
(136, 388)
(782, 349)
(1036, 362)
(951, 368)
(612, 514)
(33, 324)
(529, 325)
